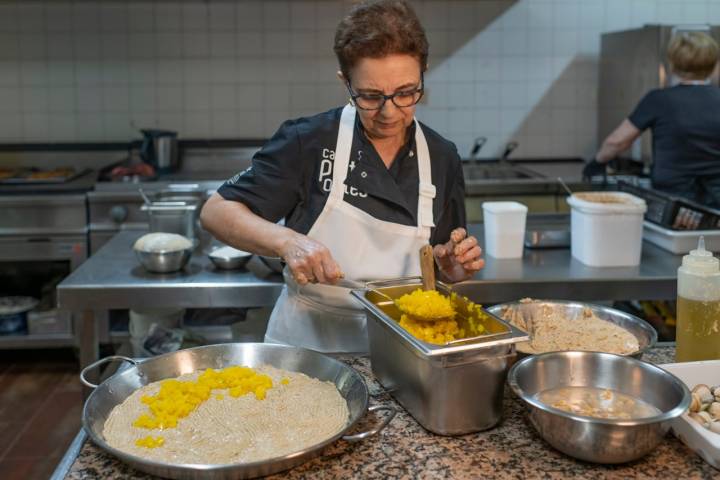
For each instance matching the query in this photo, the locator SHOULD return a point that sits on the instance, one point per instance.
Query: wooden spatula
(427, 267)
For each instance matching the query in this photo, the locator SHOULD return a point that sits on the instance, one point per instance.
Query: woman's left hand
(459, 258)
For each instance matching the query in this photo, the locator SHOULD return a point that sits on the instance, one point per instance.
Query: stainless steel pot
(160, 149)
(117, 388)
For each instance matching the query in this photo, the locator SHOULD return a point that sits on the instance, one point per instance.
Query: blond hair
(693, 55)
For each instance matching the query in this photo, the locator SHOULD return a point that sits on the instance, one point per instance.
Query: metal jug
(160, 149)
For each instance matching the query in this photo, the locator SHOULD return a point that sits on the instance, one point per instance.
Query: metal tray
(449, 389)
(547, 238)
(548, 231)
(117, 388)
(22, 177)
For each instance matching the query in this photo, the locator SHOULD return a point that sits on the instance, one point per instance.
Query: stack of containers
(606, 228)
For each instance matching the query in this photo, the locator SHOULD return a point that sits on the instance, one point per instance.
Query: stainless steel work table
(113, 279)
(553, 273)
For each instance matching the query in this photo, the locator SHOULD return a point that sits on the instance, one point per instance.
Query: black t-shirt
(290, 177)
(685, 123)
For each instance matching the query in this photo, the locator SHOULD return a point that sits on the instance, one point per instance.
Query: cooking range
(43, 237)
(54, 217)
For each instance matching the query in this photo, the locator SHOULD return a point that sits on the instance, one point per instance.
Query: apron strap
(342, 154)
(426, 190)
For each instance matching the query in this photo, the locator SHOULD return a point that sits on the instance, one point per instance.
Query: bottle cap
(701, 260)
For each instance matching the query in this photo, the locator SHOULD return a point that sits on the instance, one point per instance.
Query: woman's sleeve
(646, 112)
(452, 215)
(272, 186)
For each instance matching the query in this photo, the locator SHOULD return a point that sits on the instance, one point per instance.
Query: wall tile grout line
(538, 55)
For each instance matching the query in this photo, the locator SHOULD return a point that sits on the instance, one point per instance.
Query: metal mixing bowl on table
(228, 258)
(594, 439)
(164, 261)
(526, 311)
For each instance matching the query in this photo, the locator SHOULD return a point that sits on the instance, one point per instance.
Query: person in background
(685, 124)
(361, 188)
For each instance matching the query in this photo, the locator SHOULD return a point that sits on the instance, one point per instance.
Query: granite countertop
(405, 450)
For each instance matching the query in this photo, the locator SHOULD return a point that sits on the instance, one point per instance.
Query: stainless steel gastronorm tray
(449, 389)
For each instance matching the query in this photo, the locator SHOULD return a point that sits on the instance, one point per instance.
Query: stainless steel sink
(481, 170)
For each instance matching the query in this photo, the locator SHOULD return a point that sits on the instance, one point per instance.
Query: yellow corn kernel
(426, 304)
(178, 399)
(150, 442)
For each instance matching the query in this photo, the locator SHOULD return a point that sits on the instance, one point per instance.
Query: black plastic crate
(675, 213)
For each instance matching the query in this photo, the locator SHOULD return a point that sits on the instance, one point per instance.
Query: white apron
(327, 318)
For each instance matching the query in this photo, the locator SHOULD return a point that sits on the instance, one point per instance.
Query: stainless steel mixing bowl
(596, 439)
(529, 310)
(229, 260)
(164, 261)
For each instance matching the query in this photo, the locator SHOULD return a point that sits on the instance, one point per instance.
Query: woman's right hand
(309, 260)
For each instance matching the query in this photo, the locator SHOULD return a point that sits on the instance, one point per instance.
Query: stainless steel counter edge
(163, 296)
(67, 461)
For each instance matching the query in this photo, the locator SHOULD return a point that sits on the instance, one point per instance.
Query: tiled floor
(40, 407)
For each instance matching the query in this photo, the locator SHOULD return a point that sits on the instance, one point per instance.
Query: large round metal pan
(117, 388)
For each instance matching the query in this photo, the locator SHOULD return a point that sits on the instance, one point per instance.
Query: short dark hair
(375, 29)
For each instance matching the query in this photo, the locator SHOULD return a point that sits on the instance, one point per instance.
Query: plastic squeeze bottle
(698, 306)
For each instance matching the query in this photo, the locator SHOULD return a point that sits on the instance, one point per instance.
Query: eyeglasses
(376, 101)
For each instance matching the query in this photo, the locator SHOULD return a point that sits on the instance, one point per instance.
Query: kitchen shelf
(212, 333)
(50, 340)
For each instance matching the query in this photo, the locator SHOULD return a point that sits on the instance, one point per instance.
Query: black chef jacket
(290, 177)
(685, 123)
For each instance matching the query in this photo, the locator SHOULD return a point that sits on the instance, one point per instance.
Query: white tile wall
(522, 70)
(535, 70)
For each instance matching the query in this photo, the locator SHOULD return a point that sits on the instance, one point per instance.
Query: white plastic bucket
(504, 228)
(606, 228)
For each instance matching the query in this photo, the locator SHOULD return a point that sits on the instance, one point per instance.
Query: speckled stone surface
(405, 450)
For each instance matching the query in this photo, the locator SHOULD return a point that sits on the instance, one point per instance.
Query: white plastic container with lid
(606, 228)
(698, 306)
(504, 228)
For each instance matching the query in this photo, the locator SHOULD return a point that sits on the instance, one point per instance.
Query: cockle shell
(714, 410)
(714, 427)
(695, 403)
(703, 391)
(699, 419)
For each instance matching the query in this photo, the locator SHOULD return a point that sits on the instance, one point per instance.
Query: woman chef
(361, 188)
(685, 124)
